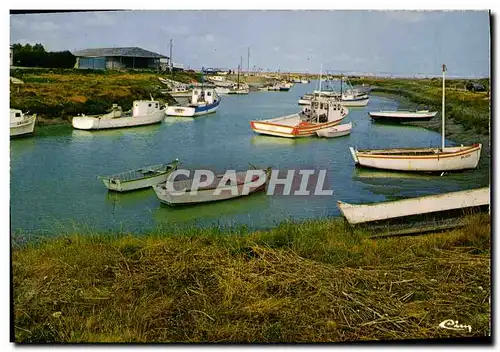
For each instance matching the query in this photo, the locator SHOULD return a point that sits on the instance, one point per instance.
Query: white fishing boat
(402, 115)
(203, 101)
(362, 213)
(144, 112)
(337, 131)
(239, 88)
(222, 90)
(211, 193)
(21, 124)
(432, 159)
(304, 81)
(351, 96)
(141, 178)
(323, 113)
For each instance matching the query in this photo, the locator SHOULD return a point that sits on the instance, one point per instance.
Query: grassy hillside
(62, 94)
(471, 110)
(315, 281)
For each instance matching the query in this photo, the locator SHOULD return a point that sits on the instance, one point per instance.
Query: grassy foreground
(58, 95)
(471, 110)
(315, 281)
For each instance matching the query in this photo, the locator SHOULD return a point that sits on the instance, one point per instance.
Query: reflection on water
(209, 212)
(118, 132)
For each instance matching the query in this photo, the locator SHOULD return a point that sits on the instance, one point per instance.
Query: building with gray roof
(118, 58)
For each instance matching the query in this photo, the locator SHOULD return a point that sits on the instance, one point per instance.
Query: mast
(320, 73)
(442, 112)
(341, 88)
(171, 62)
(238, 85)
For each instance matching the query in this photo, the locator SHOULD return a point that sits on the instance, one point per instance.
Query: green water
(54, 185)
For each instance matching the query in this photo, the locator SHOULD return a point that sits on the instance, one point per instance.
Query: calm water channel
(54, 185)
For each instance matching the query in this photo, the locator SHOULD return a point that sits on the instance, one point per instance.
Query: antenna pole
(248, 61)
(442, 112)
(171, 62)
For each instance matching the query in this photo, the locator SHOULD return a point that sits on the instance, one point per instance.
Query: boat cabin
(145, 107)
(320, 110)
(203, 96)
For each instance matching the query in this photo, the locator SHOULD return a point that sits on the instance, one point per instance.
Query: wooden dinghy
(208, 193)
(363, 213)
(140, 178)
(337, 131)
(402, 115)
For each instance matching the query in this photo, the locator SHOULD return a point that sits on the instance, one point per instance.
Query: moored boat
(432, 159)
(202, 102)
(141, 178)
(222, 90)
(144, 112)
(21, 124)
(362, 213)
(351, 96)
(337, 131)
(323, 113)
(180, 191)
(402, 115)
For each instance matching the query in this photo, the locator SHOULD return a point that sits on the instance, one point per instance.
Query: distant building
(117, 58)
(165, 65)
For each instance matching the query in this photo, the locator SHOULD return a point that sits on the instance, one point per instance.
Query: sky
(378, 42)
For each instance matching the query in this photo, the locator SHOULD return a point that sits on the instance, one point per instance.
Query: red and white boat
(322, 114)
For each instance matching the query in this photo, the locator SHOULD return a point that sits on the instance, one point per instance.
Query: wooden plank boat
(362, 213)
(402, 115)
(337, 131)
(202, 102)
(144, 112)
(208, 193)
(21, 124)
(421, 159)
(323, 113)
(141, 178)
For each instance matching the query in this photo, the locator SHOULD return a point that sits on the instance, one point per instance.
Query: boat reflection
(209, 212)
(118, 132)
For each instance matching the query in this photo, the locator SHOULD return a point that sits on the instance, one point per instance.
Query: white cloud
(46, 26)
(406, 16)
(100, 19)
(176, 30)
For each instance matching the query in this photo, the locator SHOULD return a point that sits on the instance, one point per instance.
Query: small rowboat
(402, 115)
(337, 131)
(213, 192)
(362, 213)
(141, 178)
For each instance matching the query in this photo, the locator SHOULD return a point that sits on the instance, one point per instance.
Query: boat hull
(356, 102)
(96, 123)
(290, 131)
(189, 111)
(121, 186)
(423, 160)
(23, 128)
(362, 213)
(337, 131)
(401, 117)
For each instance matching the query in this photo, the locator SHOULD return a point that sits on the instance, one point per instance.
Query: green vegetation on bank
(64, 93)
(316, 281)
(469, 109)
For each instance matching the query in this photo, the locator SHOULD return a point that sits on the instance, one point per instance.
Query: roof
(125, 52)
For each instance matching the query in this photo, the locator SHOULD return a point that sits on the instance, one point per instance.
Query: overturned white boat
(182, 192)
(144, 112)
(203, 101)
(21, 124)
(361, 213)
(337, 131)
(402, 115)
(141, 178)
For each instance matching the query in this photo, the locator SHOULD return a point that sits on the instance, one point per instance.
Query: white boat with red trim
(322, 114)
